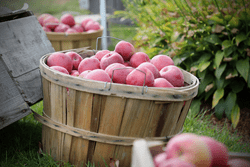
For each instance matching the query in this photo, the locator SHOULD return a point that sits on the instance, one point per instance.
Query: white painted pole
(103, 23)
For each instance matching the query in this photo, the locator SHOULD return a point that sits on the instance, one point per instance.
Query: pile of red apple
(191, 150)
(67, 24)
(122, 66)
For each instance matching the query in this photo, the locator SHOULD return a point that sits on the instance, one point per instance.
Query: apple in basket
(60, 59)
(76, 58)
(138, 58)
(125, 49)
(68, 19)
(110, 58)
(88, 64)
(161, 61)
(118, 72)
(173, 74)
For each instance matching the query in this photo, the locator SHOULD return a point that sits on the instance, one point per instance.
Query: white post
(103, 23)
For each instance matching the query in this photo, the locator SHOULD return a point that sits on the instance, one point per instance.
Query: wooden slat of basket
(82, 120)
(110, 121)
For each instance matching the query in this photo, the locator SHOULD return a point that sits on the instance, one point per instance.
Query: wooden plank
(82, 120)
(29, 41)
(30, 85)
(110, 121)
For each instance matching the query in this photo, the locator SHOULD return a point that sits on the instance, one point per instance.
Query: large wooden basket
(86, 120)
(63, 41)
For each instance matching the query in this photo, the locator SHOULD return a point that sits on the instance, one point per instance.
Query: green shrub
(216, 49)
(209, 38)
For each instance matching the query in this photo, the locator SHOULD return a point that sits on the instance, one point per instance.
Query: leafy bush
(208, 38)
(216, 49)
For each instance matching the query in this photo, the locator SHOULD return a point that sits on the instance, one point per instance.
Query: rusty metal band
(93, 136)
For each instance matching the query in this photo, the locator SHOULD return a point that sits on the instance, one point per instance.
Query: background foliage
(208, 38)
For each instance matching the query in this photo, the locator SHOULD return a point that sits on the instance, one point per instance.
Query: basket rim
(122, 90)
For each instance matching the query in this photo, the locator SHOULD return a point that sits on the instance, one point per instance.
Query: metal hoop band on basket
(93, 136)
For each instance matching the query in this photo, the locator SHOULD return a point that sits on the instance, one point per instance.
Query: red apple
(175, 162)
(173, 74)
(71, 31)
(76, 58)
(68, 19)
(218, 150)
(118, 71)
(46, 29)
(78, 28)
(88, 64)
(139, 76)
(110, 58)
(159, 158)
(98, 75)
(92, 25)
(163, 83)
(61, 27)
(190, 148)
(161, 61)
(139, 58)
(74, 73)
(60, 59)
(125, 49)
(85, 21)
(60, 69)
(51, 22)
(84, 73)
(127, 64)
(101, 53)
(42, 17)
(151, 67)
(238, 162)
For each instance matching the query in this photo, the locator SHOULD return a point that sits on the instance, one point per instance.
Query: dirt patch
(243, 127)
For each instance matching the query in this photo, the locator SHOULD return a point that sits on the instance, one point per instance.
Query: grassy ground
(19, 142)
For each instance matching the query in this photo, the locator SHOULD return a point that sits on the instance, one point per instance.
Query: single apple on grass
(61, 27)
(119, 72)
(76, 58)
(139, 58)
(68, 19)
(162, 83)
(60, 59)
(110, 58)
(51, 22)
(88, 64)
(152, 68)
(161, 61)
(173, 74)
(92, 25)
(190, 148)
(74, 73)
(140, 76)
(60, 69)
(125, 49)
(218, 150)
(101, 53)
(98, 75)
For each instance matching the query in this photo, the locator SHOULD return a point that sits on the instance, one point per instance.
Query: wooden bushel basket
(63, 41)
(86, 120)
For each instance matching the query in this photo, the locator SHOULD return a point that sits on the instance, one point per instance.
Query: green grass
(19, 142)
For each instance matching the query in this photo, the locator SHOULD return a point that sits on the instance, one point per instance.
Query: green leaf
(214, 39)
(218, 94)
(240, 37)
(237, 85)
(228, 51)
(235, 115)
(204, 57)
(225, 44)
(220, 83)
(230, 103)
(204, 65)
(204, 82)
(243, 67)
(195, 106)
(220, 70)
(218, 57)
(220, 109)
